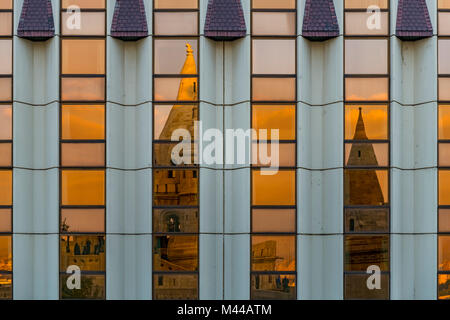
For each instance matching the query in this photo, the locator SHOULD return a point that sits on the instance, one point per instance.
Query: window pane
(176, 4)
(176, 89)
(82, 154)
(5, 24)
(273, 253)
(5, 154)
(83, 187)
(367, 220)
(92, 287)
(5, 253)
(6, 286)
(171, 56)
(375, 119)
(444, 187)
(366, 56)
(274, 117)
(6, 56)
(5, 89)
(274, 23)
(162, 154)
(84, 4)
(356, 287)
(356, 23)
(83, 89)
(175, 187)
(444, 220)
(444, 23)
(444, 89)
(168, 118)
(444, 154)
(444, 253)
(5, 122)
(286, 154)
(363, 251)
(175, 253)
(86, 252)
(366, 187)
(5, 221)
(274, 57)
(444, 122)
(367, 154)
(444, 286)
(5, 187)
(5, 4)
(273, 220)
(444, 54)
(175, 220)
(366, 89)
(175, 286)
(92, 23)
(83, 122)
(83, 56)
(444, 4)
(274, 89)
(275, 189)
(82, 220)
(364, 4)
(176, 23)
(273, 287)
(273, 4)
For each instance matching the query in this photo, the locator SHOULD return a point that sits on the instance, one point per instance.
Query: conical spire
(188, 86)
(36, 21)
(360, 132)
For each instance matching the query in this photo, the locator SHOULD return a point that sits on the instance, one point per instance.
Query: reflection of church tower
(363, 186)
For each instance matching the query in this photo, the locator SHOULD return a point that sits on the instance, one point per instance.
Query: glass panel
(273, 4)
(444, 154)
(92, 23)
(444, 285)
(275, 189)
(5, 187)
(162, 154)
(444, 54)
(356, 287)
(273, 220)
(175, 220)
(5, 4)
(5, 154)
(175, 187)
(273, 287)
(82, 154)
(5, 122)
(171, 56)
(444, 187)
(274, 56)
(367, 154)
(168, 118)
(364, 4)
(6, 56)
(5, 89)
(175, 253)
(176, 89)
(176, 23)
(83, 89)
(92, 287)
(83, 187)
(274, 89)
(286, 154)
(6, 286)
(444, 253)
(366, 187)
(444, 4)
(366, 56)
(363, 251)
(5, 24)
(83, 56)
(274, 23)
(273, 253)
(358, 23)
(274, 117)
(5, 253)
(374, 118)
(444, 121)
(444, 220)
(83, 122)
(176, 4)
(5, 220)
(367, 220)
(84, 4)
(82, 220)
(86, 252)
(366, 89)
(444, 23)
(444, 89)
(175, 286)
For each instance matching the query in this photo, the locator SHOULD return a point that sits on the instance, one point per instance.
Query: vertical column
(175, 183)
(82, 148)
(366, 151)
(273, 120)
(6, 142)
(443, 271)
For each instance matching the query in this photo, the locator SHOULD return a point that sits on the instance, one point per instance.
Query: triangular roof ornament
(36, 20)
(320, 21)
(129, 20)
(225, 20)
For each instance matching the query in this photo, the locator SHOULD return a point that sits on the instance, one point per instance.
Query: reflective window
(443, 286)
(5, 253)
(366, 56)
(5, 89)
(366, 187)
(176, 23)
(356, 287)
(375, 119)
(5, 122)
(81, 122)
(367, 220)
(444, 220)
(367, 154)
(273, 89)
(356, 24)
(444, 23)
(5, 187)
(273, 4)
(82, 187)
(93, 287)
(5, 56)
(175, 253)
(444, 253)
(273, 286)
(444, 54)
(176, 89)
(175, 286)
(175, 220)
(83, 56)
(274, 117)
(170, 56)
(366, 89)
(175, 187)
(5, 154)
(364, 4)
(5, 220)
(274, 56)
(5, 24)
(91, 24)
(5, 4)
(444, 187)
(262, 154)
(84, 4)
(274, 23)
(82, 220)
(273, 253)
(444, 4)
(82, 154)
(444, 89)
(176, 4)
(444, 122)
(82, 89)
(362, 251)
(274, 188)
(86, 252)
(273, 220)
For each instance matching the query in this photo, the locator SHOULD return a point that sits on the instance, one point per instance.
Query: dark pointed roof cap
(320, 21)
(36, 20)
(129, 20)
(225, 20)
(413, 20)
